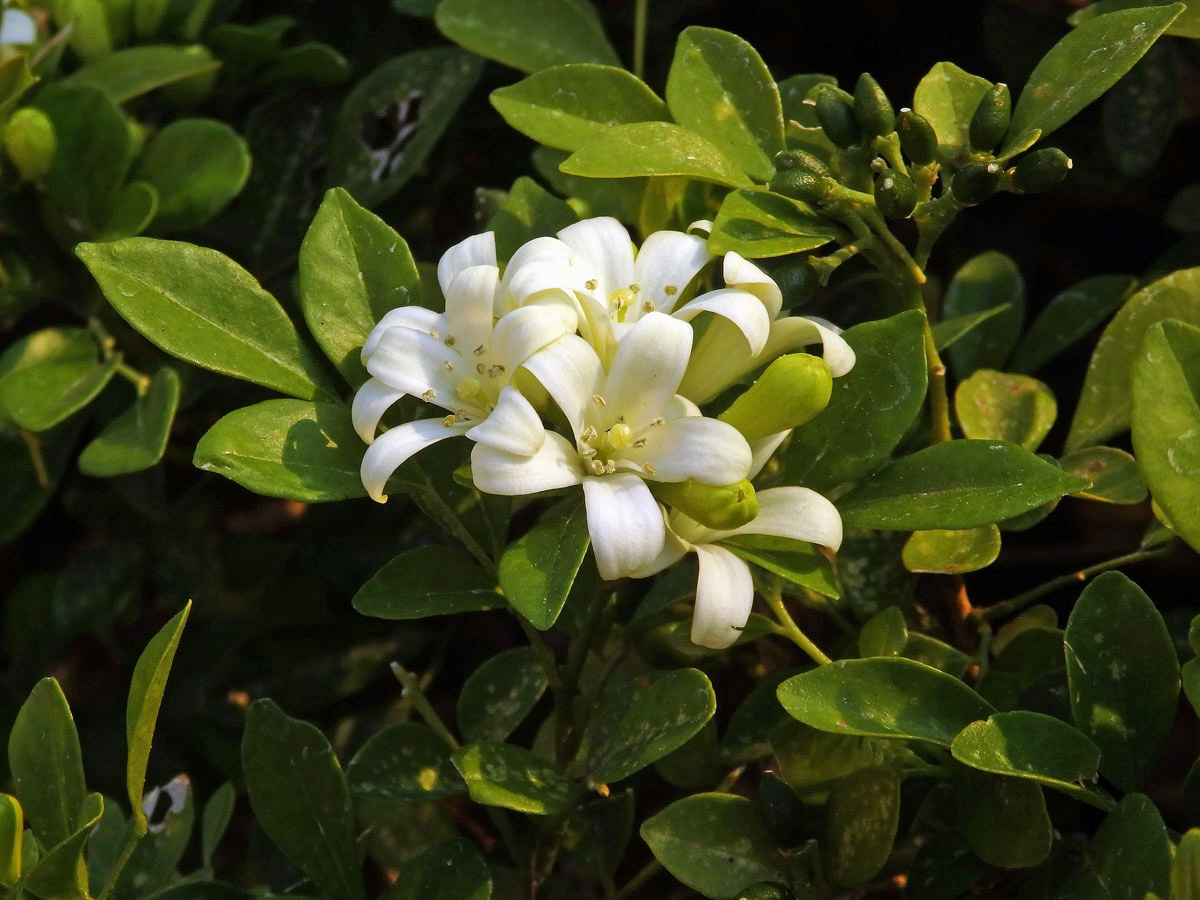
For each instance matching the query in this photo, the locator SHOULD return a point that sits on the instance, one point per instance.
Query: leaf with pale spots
(513, 778)
(952, 552)
(404, 762)
(498, 695)
(861, 818)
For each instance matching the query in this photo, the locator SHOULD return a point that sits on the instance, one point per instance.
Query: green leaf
(993, 405)
(758, 224)
(428, 581)
(1004, 820)
(158, 854)
(716, 844)
(538, 568)
(200, 306)
(1185, 869)
(24, 488)
(353, 269)
(311, 62)
(61, 873)
(884, 634)
(720, 88)
(1187, 25)
(513, 778)
(796, 561)
(89, 35)
(861, 817)
(984, 282)
(1124, 677)
(871, 408)
(952, 552)
(499, 694)
(1035, 746)
(654, 149)
(132, 212)
(1140, 112)
(1113, 474)
(286, 448)
(660, 719)
(405, 762)
(218, 813)
(136, 439)
(441, 78)
(955, 484)
(883, 696)
(12, 823)
(135, 71)
(452, 870)
(1106, 398)
(949, 331)
(947, 96)
(1166, 422)
(938, 654)
(1085, 64)
(15, 79)
(1129, 855)
(1070, 316)
(299, 796)
(145, 698)
(527, 212)
(620, 198)
(47, 770)
(564, 106)
(534, 35)
(1031, 663)
(50, 375)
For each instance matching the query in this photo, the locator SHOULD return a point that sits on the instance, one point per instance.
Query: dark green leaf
(135, 71)
(218, 813)
(952, 552)
(937, 654)
(12, 823)
(984, 282)
(132, 212)
(1185, 870)
(527, 212)
(61, 873)
(405, 762)
(654, 148)
(534, 35)
(1129, 856)
(453, 870)
(998, 406)
(947, 96)
(949, 331)
(1004, 820)
(538, 569)
(311, 62)
(885, 634)
(1069, 317)
(498, 695)
(513, 778)
(15, 79)
(1140, 112)
(156, 857)
(620, 198)
(1113, 473)
(757, 224)
(137, 438)
(1187, 25)
(427, 581)
(861, 817)
(796, 561)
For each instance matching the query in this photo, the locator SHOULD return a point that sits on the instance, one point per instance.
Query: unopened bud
(895, 194)
(722, 507)
(1041, 170)
(872, 108)
(835, 112)
(991, 118)
(800, 160)
(791, 390)
(797, 281)
(917, 137)
(800, 184)
(30, 142)
(766, 890)
(975, 182)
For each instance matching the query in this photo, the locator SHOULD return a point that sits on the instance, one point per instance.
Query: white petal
(674, 549)
(668, 259)
(477, 250)
(413, 362)
(525, 331)
(796, 513)
(719, 358)
(597, 328)
(17, 27)
(745, 276)
(543, 264)
(604, 244)
(647, 369)
(742, 309)
(393, 447)
(681, 406)
(417, 318)
(724, 596)
(469, 301)
(625, 524)
(513, 425)
(571, 373)
(371, 401)
(763, 449)
(705, 449)
(555, 465)
(704, 225)
(796, 331)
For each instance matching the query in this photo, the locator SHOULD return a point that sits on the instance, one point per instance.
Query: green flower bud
(991, 118)
(835, 112)
(895, 194)
(801, 160)
(975, 182)
(917, 137)
(30, 142)
(800, 184)
(766, 890)
(792, 390)
(872, 108)
(1041, 170)
(722, 507)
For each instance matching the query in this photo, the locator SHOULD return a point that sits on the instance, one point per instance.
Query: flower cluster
(578, 365)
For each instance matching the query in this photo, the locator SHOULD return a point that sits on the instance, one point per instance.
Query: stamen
(598, 400)
(588, 453)
(610, 467)
(460, 415)
(659, 421)
(591, 284)
(589, 434)
(480, 350)
(480, 368)
(635, 287)
(495, 371)
(429, 395)
(649, 469)
(670, 290)
(647, 306)
(639, 443)
(449, 368)
(597, 467)
(449, 341)
(433, 334)
(448, 421)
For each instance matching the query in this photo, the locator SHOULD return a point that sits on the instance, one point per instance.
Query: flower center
(622, 299)
(602, 452)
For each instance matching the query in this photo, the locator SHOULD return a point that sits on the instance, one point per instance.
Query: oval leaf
(982, 283)
(1129, 855)
(405, 762)
(952, 552)
(498, 695)
(1004, 820)
(452, 870)
(136, 439)
(758, 224)
(1113, 474)
(654, 148)
(528, 36)
(513, 778)
(135, 71)
(993, 405)
(428, 581)
(861, 817)
(538, 569)
(947, 96)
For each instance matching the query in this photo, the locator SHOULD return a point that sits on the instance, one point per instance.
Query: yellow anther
(448, 421)
(434, 334)
(639, 443)
(598, 400)
(659, 421)
(610, 466)
(449, 341)
(589, 434)
(449, 368)
(591, 284)
(429, 395)
(480, 350)
(495, 371)
(480, 368)
(670, 290)
(597, 467)
(647, 306)
(649, 469)
(620, 436)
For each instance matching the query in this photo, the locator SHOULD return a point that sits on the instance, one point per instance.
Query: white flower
(17, 27)
(461, 360)
(628, 426)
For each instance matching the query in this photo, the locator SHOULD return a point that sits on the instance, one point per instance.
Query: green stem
(140, 382)
(136, 833)
(889, 148)
(37, 459)
(933, 218)
(416, 696)
(787, 626)
(631, 887)
(825, 266)
(640, 11)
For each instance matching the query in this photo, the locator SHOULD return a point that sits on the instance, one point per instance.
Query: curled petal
(469, 301)
(719, 358)
(743, 275)
(625, 524)
(417, 318)
(513, 426)
(742, 309)
(604, 244)
(796, 331)
(647, 368)
(762, 450)
(525, 331)
(571, 373)
(477, 250)
(414, 362)
(707, 450)
(724, 596)
(665, 265)
(554, 465)
(674, 549)
(373, 399)
(794, 512)
(393, 447)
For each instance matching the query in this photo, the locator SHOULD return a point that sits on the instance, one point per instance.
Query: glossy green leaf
(1004, 820)
(984, 282)
(47, 769)
(659, 720)
(1039, 616)
(1129, 855)
(527, 212)
(884, 634)
(61, 873)
(871, 408)
(1113, 473)
(999, 406)
(51, 374)
(218, 813)
(1140, 112)
(89, 36)
(135, 71)
(566, 105)
(157, 856)
(1031, 662)
(949, 331)
(1124, 677)
(937, 654)
(654, 149)
(719, 87)
(797, 562)
(12, 824)
(954, 485)
(354, 267)
(1187, 25)
(1035, 746)
(861, 817)
(952, 552)
(404, 762)
(132, 212)
(538, 568)
(189, 299)
(1085, 64)
(513, 778)
(428, 581)
(887, 697)
(136, 439)
(312, 62)
(757, 224)
(300, 799)
(534, 35)
(452, 870)
(1070, 316)
(947, 96)
(499, 694)
(620, 198)
(1166, 422)
(716, 844)
(372, 171)
(286, 448)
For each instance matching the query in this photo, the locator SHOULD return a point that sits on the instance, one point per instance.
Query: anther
(449, 368)
(480, 368)
(495, 371)
(480, 350)
(639, 443)
(659, 421)
(670, 290)
(433, 334)
(597, 467)
(460, 415)
(591, 284)
(649, 469)
(429, 395)
(647, 306)
(610, 466)
(448, 421)
(598, 400)
(589, 434)
(449, 341)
